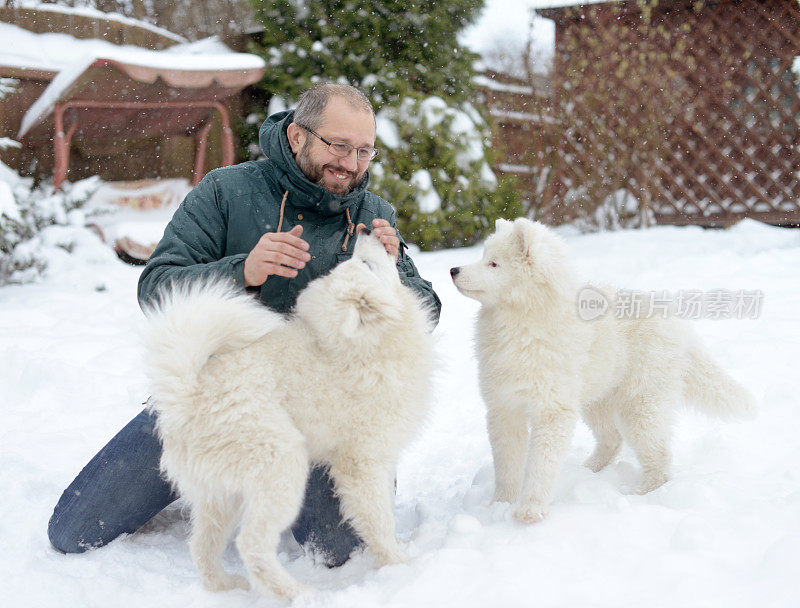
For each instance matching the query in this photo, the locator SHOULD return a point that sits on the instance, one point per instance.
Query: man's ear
(296, 136)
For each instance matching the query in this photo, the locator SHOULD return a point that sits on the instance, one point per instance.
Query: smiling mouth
(341, 175)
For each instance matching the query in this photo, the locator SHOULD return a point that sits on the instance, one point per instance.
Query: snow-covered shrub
(7, 85)
(25, 212)
(617, 211)
(440, 181)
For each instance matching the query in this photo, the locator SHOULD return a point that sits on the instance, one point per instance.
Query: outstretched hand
(388, 235)
(279, 253)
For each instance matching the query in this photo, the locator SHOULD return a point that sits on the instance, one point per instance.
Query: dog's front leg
(508, 436)
(363, 487)
(551, 430)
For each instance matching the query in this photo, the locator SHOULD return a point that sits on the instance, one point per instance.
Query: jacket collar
(275, 145)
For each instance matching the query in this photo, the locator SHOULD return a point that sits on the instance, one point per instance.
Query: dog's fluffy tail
(187, 324)
(712, 390)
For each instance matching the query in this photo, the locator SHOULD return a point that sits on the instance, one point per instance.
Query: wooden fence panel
(691, 108)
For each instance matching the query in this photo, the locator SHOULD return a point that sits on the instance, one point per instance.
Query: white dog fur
(246, 399)
(541, 366)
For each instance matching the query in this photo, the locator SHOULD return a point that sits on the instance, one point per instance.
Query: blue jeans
(121, 489)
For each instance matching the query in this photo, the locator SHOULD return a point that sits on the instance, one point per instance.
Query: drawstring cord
(350, 228)
(350, 225)
(283, 206)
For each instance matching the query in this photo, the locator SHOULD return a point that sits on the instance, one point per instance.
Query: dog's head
(358, 297)
(522, 258)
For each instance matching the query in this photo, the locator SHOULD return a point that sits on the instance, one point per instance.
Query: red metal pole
(200, 153)
(227, 136)
(60, 148)
(61, 142)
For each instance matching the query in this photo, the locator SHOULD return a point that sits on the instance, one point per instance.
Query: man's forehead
(347, 122)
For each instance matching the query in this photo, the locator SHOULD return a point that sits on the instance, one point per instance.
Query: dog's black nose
(454, 271)
(365, 231)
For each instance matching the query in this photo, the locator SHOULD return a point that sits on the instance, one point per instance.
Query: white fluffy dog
(246, 399)
(541, 365)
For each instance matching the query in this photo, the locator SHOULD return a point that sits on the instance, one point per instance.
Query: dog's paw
(394, 555)
(652, 482)
(289, 589)
(596, 464)
(529, 514)
(226, 582)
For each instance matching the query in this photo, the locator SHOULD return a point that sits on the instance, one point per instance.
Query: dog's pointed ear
(525, 233)
(501, 225)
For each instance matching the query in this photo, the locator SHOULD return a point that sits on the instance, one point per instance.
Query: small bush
(24, 212)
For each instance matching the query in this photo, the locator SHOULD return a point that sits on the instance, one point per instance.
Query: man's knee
(319, 526)
(64, 537)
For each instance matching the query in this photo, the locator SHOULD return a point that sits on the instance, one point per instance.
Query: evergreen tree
(435, 145)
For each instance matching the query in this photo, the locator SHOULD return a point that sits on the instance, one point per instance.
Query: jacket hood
(275, 145)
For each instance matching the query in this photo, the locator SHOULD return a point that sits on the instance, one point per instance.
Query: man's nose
(350, 162)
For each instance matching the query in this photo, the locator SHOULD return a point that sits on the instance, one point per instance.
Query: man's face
(341, 123)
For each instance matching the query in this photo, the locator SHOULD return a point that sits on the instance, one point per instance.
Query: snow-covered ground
(724, 532)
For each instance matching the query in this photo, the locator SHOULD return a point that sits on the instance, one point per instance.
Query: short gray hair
(313, 102)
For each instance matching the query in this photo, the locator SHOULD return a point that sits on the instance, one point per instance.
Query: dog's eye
(493, 264)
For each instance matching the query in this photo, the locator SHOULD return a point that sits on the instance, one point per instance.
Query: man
(271, 226)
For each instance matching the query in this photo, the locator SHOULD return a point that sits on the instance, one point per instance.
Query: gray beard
(316, 173)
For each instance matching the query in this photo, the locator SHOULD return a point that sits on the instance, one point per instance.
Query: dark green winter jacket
(225, 215)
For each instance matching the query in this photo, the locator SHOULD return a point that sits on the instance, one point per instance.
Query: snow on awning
(127, 74)
(97, 69)
(114, 94)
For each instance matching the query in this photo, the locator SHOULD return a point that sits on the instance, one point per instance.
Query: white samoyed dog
(541, 366)
(247, 399)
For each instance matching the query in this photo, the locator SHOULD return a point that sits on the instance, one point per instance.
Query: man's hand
(280, 253)
(388, 235)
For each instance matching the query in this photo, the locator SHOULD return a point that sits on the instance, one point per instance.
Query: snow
(54, 51)
(86, 11)
(493, 85)
(387, 131)
(8, 204)
(8, 175)
(724, 531)
(136, 211)
(487, 175)
(276, 104)
(428, 201)
(7, 142)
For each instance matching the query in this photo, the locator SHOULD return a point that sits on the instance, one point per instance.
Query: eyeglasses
(341, 149)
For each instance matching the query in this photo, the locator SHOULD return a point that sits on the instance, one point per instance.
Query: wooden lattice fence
(681, 112)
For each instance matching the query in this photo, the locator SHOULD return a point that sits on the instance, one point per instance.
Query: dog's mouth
(468, 290)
